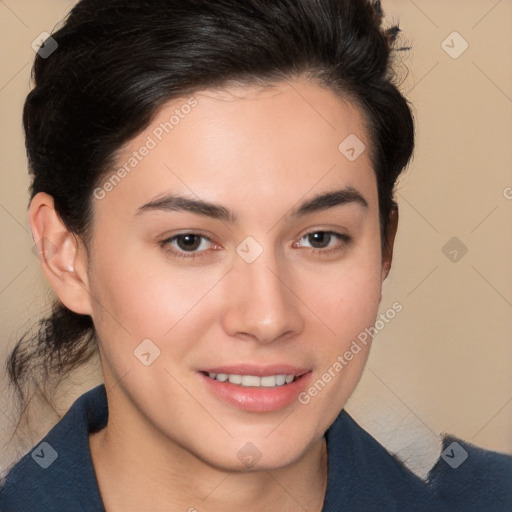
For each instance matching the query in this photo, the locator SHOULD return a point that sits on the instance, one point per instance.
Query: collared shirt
(57, 475)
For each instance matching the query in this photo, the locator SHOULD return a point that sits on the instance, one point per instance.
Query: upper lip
(259, 371)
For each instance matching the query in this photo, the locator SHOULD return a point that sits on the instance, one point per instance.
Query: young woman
(212, 202)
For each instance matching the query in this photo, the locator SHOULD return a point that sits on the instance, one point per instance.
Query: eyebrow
(320, 202)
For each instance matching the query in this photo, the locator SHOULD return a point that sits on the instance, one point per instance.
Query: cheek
(136, 299)
(349, 307)
(346, 299)
(346, 296)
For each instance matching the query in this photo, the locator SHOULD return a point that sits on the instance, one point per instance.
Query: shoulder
(477, 478)
(57, 474)
(365, 476)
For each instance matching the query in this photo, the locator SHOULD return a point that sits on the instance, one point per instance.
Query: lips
(256, 388)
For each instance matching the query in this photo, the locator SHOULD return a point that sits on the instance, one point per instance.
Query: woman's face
(212, 253)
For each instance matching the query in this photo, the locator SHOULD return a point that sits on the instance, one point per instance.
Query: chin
(267, 450)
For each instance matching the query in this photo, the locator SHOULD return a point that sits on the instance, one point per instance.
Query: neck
(139, 468)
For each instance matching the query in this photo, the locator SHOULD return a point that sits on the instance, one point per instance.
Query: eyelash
(345, 240)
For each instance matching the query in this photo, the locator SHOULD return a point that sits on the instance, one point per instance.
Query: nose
(260, 302)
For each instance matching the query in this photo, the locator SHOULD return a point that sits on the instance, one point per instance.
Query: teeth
(281, 379)
(269, 381)
(235, 379)
(250, 380)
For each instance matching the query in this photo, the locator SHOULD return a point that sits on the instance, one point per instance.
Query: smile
(237, 386)
(268, 381)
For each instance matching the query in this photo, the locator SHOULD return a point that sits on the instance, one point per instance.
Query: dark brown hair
(118, 61)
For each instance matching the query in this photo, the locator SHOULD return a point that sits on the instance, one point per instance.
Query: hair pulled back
(118, 62)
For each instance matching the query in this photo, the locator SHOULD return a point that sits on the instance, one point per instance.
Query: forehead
(244, 144)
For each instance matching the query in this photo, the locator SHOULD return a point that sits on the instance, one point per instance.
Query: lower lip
(257, 399)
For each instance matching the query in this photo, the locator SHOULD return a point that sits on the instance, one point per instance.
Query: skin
(170, 444)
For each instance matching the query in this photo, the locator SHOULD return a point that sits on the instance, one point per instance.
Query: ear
(387, 253)
(61, 253)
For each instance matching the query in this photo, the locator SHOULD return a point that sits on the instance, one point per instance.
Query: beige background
(444, 364)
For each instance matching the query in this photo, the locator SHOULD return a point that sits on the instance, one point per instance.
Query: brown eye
(324, 241)
(319, 239)
(187, 245)
(188, 242)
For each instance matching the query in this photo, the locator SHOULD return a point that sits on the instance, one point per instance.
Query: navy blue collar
(362, 475)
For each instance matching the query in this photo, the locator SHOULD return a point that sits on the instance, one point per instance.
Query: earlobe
(62, 256)
(387, 252)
